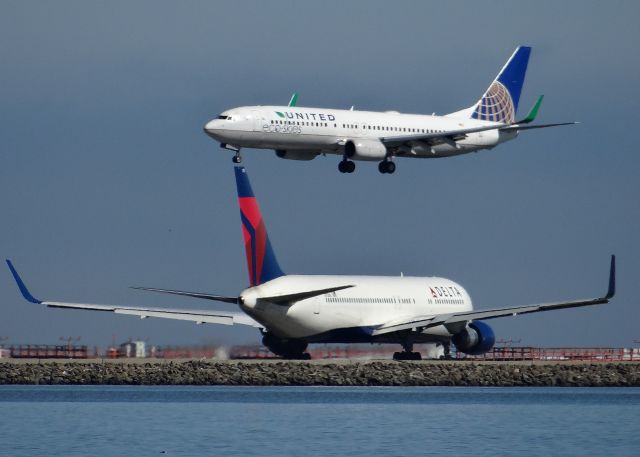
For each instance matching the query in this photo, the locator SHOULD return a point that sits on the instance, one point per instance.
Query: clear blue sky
(108, 181)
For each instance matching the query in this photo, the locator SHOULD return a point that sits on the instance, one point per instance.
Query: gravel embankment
(322, 373)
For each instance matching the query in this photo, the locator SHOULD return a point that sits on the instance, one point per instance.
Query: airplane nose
(210, 128)
(211, 125)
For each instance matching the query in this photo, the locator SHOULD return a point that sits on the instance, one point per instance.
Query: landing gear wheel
(386, 166)
(346, 166)
(302, 356)
(404, 355)
(391, 167)
(351, 166)
(237, 158)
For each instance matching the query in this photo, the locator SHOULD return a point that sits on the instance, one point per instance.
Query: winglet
(23, 289)
(612, 279)
(294, 99)
(533, 112)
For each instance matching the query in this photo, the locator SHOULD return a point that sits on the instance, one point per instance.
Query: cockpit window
(228, 118)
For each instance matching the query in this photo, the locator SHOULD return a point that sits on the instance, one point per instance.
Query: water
(301, 421)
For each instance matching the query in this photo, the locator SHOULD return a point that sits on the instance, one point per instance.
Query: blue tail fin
(261, 261)
(500, 101)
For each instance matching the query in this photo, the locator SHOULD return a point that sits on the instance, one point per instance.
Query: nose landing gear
(237, 158)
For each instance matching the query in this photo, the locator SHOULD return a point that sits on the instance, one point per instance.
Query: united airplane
(298, 133)
(292, 311)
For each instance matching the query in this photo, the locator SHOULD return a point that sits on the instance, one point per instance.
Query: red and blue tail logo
(261, 261)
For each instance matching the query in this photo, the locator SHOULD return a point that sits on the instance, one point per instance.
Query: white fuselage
(345, 315)
(306, 132)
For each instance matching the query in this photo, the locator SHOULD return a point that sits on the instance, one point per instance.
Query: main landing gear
(346, 166)
(287, 349)
(447, 351)
(407, 354)
(237, 158)
(386, 166)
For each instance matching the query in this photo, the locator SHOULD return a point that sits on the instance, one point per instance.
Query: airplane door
(316, 306)
(397, 303)
(257, 121)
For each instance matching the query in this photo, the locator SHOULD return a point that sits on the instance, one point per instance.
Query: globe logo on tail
(496, 105)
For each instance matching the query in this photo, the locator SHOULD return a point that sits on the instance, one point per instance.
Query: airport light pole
(69, 340)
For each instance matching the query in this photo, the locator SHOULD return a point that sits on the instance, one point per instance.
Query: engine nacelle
(365, 150)
(476, 338)
(296, 154)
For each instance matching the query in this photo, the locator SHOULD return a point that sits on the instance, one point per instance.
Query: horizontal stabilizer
(531, 127)
(289, 299)
(221, 298)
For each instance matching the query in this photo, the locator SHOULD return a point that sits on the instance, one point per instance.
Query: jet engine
(296, 154)
(365, 150)
(287, 348)
(476, 338)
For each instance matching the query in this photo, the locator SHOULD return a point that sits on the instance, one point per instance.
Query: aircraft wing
(453, 318)
(438, 137)
(451, 136)
(197, 316)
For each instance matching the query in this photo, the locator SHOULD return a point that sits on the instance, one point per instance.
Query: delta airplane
(303, 133)
(292, 311)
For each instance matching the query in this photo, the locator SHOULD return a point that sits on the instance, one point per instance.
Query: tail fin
(261, 261)
(499, 103)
